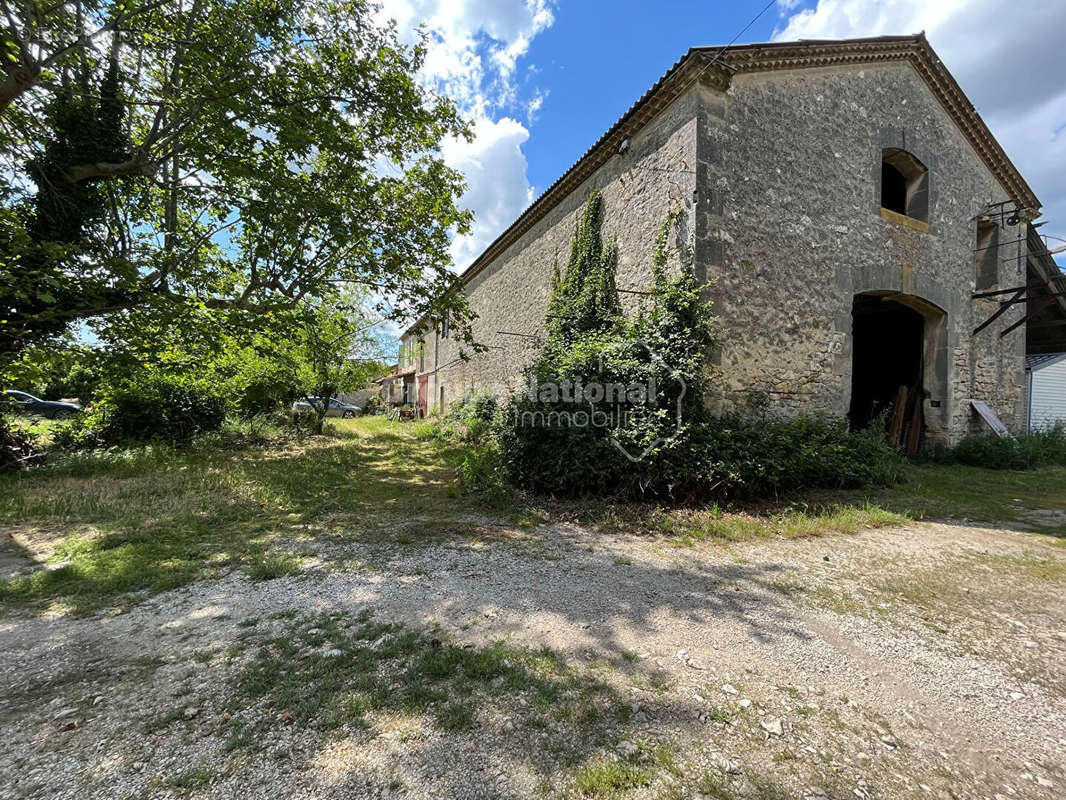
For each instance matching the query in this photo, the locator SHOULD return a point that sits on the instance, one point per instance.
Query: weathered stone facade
(777, 173)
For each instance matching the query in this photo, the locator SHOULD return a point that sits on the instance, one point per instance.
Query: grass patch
(689, 527)
(265, 568)
(193, 779)
(149, 519)
(331, 676)
(714, 785)
(957, 492)
(113, 527)
(608, 779)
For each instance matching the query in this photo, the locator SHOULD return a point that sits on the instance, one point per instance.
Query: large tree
(234, 155)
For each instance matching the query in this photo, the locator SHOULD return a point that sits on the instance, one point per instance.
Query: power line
(715, 58)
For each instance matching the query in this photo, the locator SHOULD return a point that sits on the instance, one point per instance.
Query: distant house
(398, 384)
(1046, 376)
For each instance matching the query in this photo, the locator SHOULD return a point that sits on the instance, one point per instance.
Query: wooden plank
(914, 435)
(895, 424)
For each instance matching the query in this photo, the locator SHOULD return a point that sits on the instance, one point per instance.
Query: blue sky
(594, 63)
(541, 80)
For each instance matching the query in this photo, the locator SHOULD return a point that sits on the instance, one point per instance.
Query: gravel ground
(927, 661)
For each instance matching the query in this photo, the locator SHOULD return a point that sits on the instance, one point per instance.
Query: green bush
(990, 451)
(153, 407)
(759, 456)
(474, 418)
(659, 442)
(477, 406)
(1046, 447)
(1036, 449)
(483, 476)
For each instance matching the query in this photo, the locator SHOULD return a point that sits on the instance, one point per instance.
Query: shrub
(991, 451)
(659, 441)
(1036, 449)
(483, 476)
(477, 406)
(18, 447)
(475, 418)
(1046, 446)
(757, 456)
(153, 407)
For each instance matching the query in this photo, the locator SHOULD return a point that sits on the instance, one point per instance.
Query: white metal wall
(1047, 403)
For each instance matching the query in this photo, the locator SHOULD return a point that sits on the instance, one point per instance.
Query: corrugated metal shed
(1042, 360)
(1047, 389)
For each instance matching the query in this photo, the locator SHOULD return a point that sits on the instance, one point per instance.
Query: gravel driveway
(927, 661)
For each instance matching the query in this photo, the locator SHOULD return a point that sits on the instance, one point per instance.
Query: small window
(986, 255)
(904, 184)
(421, 356)
(441, 407)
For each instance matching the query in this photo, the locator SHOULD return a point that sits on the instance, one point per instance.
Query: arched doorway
(894, 337)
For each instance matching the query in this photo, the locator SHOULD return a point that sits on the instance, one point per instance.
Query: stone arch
(905, 335)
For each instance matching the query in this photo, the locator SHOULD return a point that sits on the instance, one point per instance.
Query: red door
(423, 394)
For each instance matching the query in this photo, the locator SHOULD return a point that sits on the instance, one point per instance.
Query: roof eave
(761, 57)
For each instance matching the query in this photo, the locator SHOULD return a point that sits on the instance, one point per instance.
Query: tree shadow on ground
(153, 523)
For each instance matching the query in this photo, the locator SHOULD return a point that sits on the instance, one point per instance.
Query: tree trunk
(14, 85)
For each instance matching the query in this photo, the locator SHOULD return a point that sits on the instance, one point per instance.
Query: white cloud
(495, 170)
(474, 49)
(533, 106)
(1006, 58)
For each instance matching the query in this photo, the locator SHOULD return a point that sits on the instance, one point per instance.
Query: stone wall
(790, 218)
(640, 186)
(779, 179)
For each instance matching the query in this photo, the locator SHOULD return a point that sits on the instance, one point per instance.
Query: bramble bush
(474, 418)
(757, 456)
(1036, 449)
(151, 407)
(18, 447)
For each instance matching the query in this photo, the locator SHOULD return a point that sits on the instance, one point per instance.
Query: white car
(336, 408)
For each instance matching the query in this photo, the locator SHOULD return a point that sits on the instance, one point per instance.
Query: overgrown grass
(114, 526)
(152, 518)
(718, 525)
(193, 779)
(265, 568)
(976, 495)
(1041, 448)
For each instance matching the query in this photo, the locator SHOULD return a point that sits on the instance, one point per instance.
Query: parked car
(336, 408)
(28, 404)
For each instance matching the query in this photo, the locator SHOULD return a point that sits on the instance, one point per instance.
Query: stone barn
(858, 227)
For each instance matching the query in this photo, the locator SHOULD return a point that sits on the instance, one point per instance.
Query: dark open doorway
(886, 376)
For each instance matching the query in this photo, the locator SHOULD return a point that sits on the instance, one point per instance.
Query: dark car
(28, 404)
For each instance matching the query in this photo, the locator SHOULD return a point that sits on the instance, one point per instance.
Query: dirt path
(920, 662)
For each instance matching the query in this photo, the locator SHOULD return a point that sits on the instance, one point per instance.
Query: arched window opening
(904, 184)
